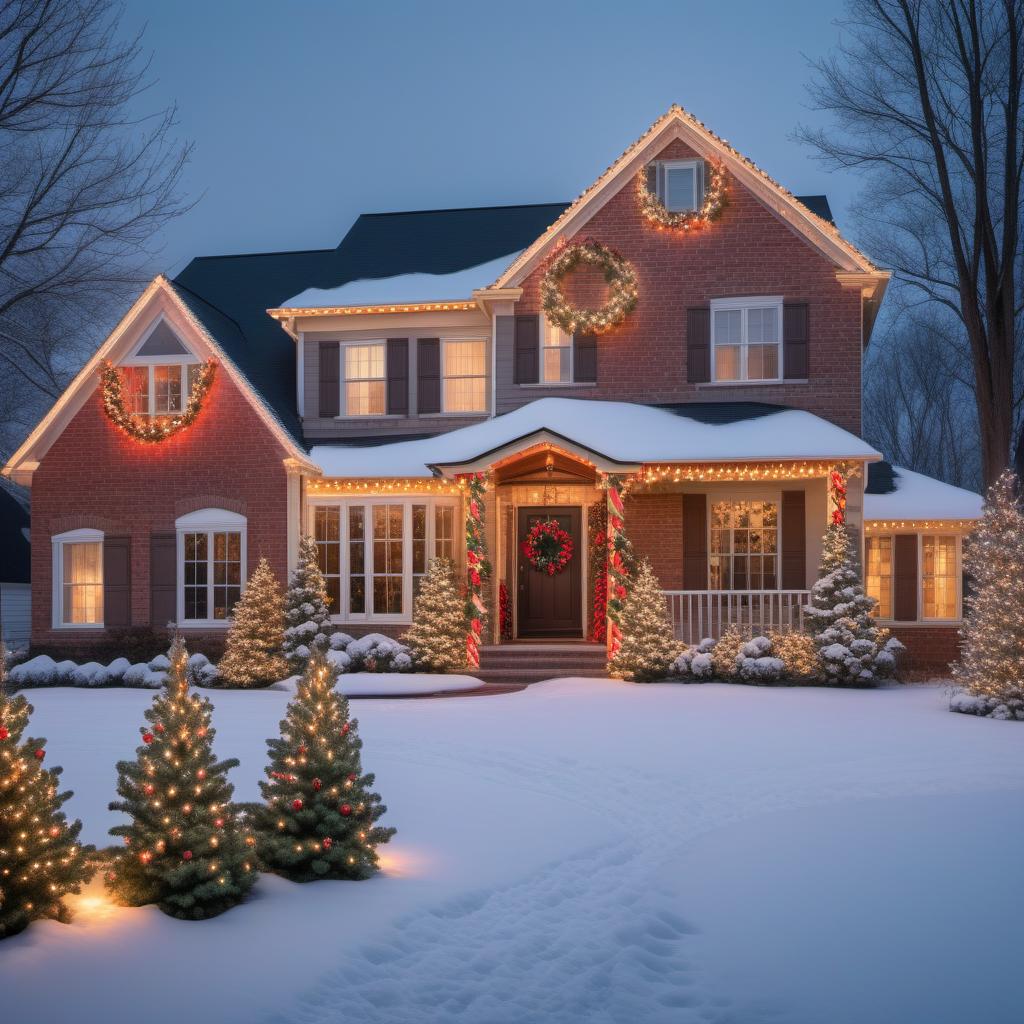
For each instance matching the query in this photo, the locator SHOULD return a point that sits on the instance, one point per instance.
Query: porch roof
(894, 493)
(614, 434)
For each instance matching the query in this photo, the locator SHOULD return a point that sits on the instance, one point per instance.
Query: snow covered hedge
(777, 657)
(42, 671)
(371, 653)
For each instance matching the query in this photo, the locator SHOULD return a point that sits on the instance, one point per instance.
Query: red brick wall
(654, 524)
(748, 251)
(929, 648)
(96, 476)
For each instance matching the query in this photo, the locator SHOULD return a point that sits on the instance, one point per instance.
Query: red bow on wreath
(548, 548)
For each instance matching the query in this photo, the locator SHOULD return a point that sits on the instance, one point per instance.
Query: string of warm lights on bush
(655, 212)
(153, 429)
(618, 274)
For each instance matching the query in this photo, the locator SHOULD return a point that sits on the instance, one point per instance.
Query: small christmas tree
(852, 650)
(184, 848)
(319, 819)
(649, 645)
(41, 860)
(991, 667)
(255, 641)
(306, 616)
(437, 639)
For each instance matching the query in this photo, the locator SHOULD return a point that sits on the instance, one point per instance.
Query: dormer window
(157, 378)
(679, 184)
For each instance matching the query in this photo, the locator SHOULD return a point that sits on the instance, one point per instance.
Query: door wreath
(548, 548)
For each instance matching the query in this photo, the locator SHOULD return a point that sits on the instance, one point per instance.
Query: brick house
(359, 392)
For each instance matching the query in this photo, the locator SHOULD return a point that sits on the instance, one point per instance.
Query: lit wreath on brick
(618, 273)
(153, 429)
(655, 211)
(548, 548)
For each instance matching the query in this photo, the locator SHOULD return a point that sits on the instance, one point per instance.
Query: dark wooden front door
(551, 606)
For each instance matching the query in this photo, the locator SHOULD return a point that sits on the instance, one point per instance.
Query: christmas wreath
(655, 211)
(152, 429)
(618, 273)
(548, 548)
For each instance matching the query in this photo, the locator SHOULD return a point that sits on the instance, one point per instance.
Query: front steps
(534, 662)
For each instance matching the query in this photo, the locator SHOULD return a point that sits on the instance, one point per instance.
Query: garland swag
(655, 212)
(153, 429)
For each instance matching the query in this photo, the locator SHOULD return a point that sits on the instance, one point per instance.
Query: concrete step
(535, 675)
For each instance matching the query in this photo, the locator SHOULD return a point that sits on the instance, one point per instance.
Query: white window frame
(343, 412)
(58, 541)
(892, 567)
(773, 497)
(920, 577)
(183, 362)
(463, 376)
(545, 328)
(342, 614)
(744, 305)
(664, 166)
(208, 520)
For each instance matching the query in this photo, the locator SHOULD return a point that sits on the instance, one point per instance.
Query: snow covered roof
(913, 495)
(403, 288)
(618, 432)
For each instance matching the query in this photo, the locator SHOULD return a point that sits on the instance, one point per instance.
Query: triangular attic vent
(162, 341)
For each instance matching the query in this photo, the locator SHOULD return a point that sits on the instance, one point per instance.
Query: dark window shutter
(117, 582)
(398, 376)
(904, 577)
(163, 579)
(584, 358)
(695, 542)
(652, 178)
(795, 338)
(527, 366)
(698, 345)
(330, 378)
(428, 375)
(794, 541)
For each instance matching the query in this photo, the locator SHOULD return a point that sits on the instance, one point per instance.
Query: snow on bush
(695, 662)
(371, 653)
(1010, 709)
(726, 653)
(42, 670)
(339, 641)
(775, 657)
(757, 664)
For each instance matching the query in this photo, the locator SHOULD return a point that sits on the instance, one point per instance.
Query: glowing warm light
(286, 312)
(888, 525)
(153, 429)
(618, 274)
(393, 485)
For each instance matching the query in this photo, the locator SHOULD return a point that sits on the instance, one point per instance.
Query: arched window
(211, 565)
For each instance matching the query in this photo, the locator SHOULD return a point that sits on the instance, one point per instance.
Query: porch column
(478, 568)
(617, 574)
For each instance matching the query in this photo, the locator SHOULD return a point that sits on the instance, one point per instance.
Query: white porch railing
(697, 614)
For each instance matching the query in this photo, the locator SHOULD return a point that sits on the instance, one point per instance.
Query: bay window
(364, 385)
(78, 579)
(465, 376)
(744, 545)
(746, 339)
(374, 553)
(211, 565)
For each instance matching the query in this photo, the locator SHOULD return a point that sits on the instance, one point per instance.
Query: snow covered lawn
(588, 850)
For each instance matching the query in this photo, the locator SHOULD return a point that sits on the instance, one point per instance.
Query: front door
(551, 606)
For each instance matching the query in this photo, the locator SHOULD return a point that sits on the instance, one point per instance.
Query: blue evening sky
(305, 114)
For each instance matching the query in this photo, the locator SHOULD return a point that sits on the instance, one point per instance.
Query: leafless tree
(926, 99)
(85, 185)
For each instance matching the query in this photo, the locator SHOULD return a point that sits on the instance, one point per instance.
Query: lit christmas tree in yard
(41, 859)
(307, 618)
(437, 638)
(648, 644)
(255, 641)
(184, 848)
(853, 651)
(991, 667)
(319, 819)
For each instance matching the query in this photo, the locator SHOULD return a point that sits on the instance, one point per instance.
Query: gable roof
(230, 295)
(15, 545)
(894, 493)
(676, 123)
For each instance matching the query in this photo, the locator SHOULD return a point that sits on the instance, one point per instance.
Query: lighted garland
(597, 521)
(504, 612)
(548, 548)
(153, 429)
(618, 273)
(478, 568)
(655, 211)
(837, 492)
(619, 558)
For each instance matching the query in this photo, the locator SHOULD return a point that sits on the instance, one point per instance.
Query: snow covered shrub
(201, 671)
(852, 650)
(799, 654)
(307, 619)
(726, 653)
(991, 666)
(695, 662)
(42, 670)
(649, 647)
(378, 653)
(756, 662)
(339, 641)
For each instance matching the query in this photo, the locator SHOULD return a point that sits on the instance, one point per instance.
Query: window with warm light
(157, 389)
(555, 354)
(878, 574)
(211, 565)
(940, 572)
(364, 384)
(744, 545)
(746, 339)
(465, 376)
(373, 554)
(78, 578)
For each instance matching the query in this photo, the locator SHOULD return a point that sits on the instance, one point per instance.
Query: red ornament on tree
(352, 777)
(344, 728)
(159, 726)
(149, 789)
(40, 754)
(327, 842)
(187, 855)
(296, 805)
(147, 737)
(201, 774)
(316, 785)
(3, 732)
(345, 809)
(302, 749)
(219, 822)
